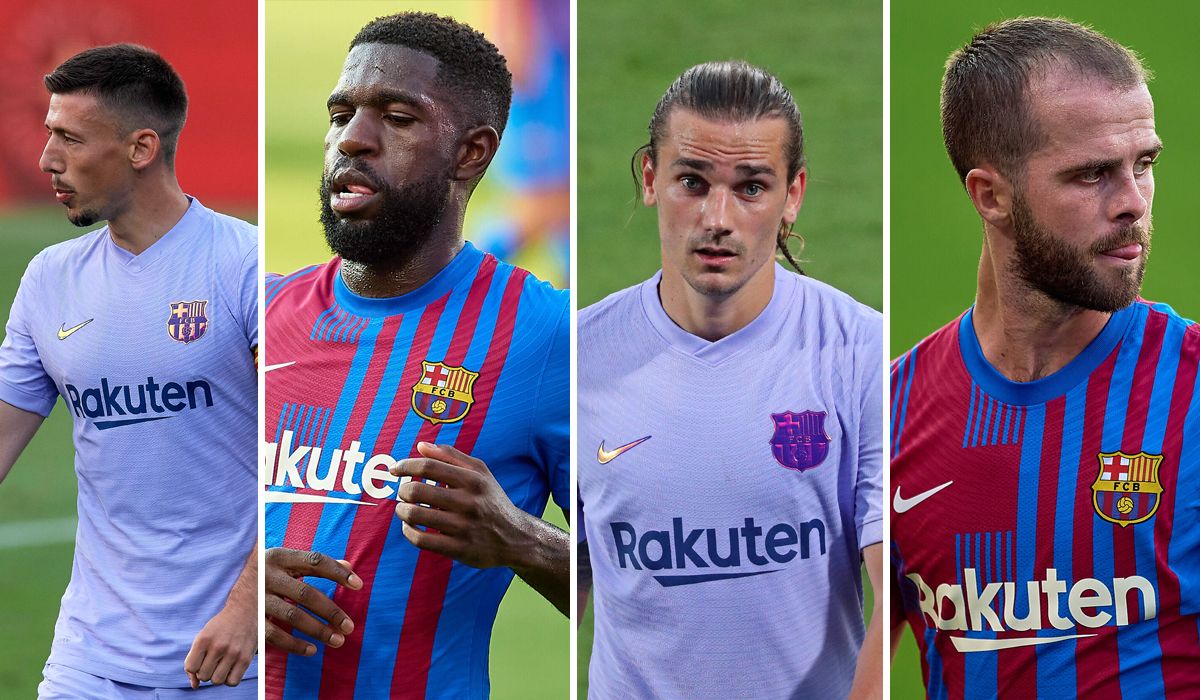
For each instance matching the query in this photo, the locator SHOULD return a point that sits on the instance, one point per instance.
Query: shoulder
(1175, 325)
(278, 287)
(67, 255)
(231, 236)
(834, 314)
(613, 310)
(936, 347)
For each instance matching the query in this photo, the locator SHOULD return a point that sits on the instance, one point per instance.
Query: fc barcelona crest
(800, 441)
(443, 393)
(1126, 490)
(188, 320)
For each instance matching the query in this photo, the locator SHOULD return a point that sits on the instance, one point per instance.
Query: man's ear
(992, 195)
(475, 151)
(649, 196)
(144, 148)
(795, 197)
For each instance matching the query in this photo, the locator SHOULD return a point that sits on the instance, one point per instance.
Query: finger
(211, 658)
(193, 680)
(237, 672)
(297, 618)
(451, 455)
(434, 470)
(279, 639)
(443, 521)
(432, 541)
(436, 496)
(221, 672)
(299, 562)
(280, 585)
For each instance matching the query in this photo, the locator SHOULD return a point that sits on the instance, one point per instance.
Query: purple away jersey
(726, 491)
(152, 355)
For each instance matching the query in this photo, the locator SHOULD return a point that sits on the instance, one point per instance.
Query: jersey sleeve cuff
(26, 401)
(870, 533)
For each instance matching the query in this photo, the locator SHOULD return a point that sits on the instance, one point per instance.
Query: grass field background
(935, 232)
(829, 54)
(306, 43)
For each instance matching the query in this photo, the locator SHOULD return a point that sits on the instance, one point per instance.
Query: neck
(713, 317)
(1023, 333)
(154, 209)
(395, 278)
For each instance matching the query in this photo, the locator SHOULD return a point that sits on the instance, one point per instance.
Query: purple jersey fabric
(726, 490)
(152, 354)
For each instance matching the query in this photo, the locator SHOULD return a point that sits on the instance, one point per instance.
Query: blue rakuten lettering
(677, 548)
(110, 400)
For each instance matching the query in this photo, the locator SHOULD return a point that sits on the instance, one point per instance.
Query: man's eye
(401, 119)
(689, 182)
(339, 118)
(1092, 175)
(1143, 166)
(754, 189)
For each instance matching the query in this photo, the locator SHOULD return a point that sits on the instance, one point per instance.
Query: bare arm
(17, 427)
(897, 617)
(868, 674)
(225, 646)
(471, 520)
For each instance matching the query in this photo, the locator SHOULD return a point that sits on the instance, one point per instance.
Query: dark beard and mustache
(404, 221)
(1069, 275)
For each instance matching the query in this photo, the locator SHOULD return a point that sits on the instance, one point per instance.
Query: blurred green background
(829, 54)
(935, 232)
(306, 43)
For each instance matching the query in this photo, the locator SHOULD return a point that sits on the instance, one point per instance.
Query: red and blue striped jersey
(476, 358)
(1046, 535)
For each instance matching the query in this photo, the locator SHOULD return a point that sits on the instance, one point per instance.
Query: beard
(404, 220)
(85, 217)
(1070, 275)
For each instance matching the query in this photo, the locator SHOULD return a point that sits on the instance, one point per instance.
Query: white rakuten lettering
(286, 466)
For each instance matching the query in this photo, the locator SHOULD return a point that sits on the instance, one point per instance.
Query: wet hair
(731, 91)
(471, 66)
(134, 83)
(987, 116)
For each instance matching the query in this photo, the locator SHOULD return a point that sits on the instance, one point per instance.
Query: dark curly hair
(471, 66)
(136, 84)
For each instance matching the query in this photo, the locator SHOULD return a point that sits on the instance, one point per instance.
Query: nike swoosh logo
(63, 331)
(604, 456)
(281, 365)
(902, 504)
(968, 644)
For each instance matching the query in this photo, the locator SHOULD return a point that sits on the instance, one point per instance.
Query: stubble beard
(1070, 275)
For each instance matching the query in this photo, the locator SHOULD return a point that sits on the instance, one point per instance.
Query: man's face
(389, 154)
(87, 157)
(1081, 211)
(722, 192)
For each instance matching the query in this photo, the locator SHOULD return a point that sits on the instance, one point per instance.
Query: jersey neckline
(173, 238)
(716, 351)
(464, 263)
(1057, 384)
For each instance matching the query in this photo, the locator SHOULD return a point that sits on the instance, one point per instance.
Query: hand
(286, 593)
(223, 649)
(475, 521)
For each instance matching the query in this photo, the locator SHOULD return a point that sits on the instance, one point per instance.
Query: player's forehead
(1081, 117)
(374, 72)
(80, 112)
(689, 139)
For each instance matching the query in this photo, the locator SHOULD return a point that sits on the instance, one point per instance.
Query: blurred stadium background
(217, 163)
(935, 232)
(828, 53)
(520, 211)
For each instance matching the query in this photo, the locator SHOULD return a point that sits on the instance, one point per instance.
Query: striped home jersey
(476, 358)
(1045, 536)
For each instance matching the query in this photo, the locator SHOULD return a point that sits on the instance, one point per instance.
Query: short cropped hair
(731, 91)
(136, 84)
(987, 116)
(471, 66)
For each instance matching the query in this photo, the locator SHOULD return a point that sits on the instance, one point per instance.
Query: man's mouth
(351, 191)
(1127, 252)
(61, 193)
(715, 255)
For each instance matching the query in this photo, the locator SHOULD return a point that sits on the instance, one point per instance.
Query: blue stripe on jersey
(275, 284)
(1027, 497)
(907, 379)
(980, 670)
(936, 688)
(970, 417)
(1138, 646)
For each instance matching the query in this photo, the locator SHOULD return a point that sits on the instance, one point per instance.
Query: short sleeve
(23, 381)
(552, 429)
(248, 293)
(868, 503)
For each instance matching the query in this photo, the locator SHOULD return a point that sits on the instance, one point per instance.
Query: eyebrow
(705, 166)
(1107, 164)
(379, 98)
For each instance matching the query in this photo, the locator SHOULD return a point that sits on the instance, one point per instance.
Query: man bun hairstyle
(732, 91)
(471, 66)
(134, 83)
(987, 117)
